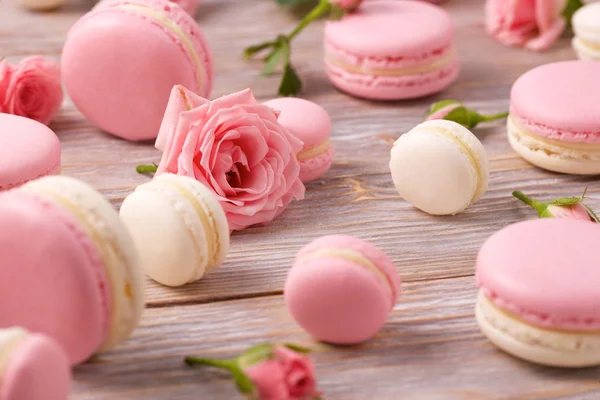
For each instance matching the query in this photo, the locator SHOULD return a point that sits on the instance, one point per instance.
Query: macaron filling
(315, 151)
(207, 221)
(173, 28)
(356, 258)
(511, 324)
(362, 66)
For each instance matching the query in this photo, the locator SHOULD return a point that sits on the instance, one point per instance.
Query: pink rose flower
(299, 372)
(269, 379)
(443, 112)
(576, 211)
(5, 72)
(534, 24)
(348, 5)
(33, 90)
(235, 147)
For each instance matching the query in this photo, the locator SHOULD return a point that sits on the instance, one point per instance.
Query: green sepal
(435, 107)
(252, 50)
(565, 201)
(298, 349)
(290, 82)
(591, 213)
(255, 355)
(336, 13)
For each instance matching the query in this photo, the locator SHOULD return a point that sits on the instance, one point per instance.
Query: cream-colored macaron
(586, 24)
(179, 227)
(41, 5)
(439, 167)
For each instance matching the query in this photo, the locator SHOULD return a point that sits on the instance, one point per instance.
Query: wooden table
(431, 347)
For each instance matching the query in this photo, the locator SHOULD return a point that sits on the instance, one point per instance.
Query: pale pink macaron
(310, 123)
(554, 120)
(391, 50)
(32, 367)
(70, 269)
(341, 289)
(539, 297)
(121, 60)
(28, 150)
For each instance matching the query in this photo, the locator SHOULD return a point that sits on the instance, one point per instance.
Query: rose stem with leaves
(281, 49)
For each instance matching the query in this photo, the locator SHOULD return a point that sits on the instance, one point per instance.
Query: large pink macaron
(33, 367)
(121, 60)
(69, 267)
(391, 50)
(554, 118)
(310, 123)
(539, 297)
(341, 289)
(28, 150)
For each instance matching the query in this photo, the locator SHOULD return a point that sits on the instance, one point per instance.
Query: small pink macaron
(121, 60)
(28, 150)
(341, 289)
(539, 297)
(310, 123)
(32, 367)
(554, 120)
(391, 50)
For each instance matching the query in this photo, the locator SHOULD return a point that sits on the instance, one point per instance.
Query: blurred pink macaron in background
(70, 269)
(28, 150)
(32, 367)
(310, 123)
(121, 60)
(391, 50)
(341, 289)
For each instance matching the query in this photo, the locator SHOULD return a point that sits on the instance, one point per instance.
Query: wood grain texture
(431, 348)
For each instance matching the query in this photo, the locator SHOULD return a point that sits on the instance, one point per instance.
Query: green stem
(495, 116)
(146, 169)
(536, 205)
(321, 9)
(229, 365)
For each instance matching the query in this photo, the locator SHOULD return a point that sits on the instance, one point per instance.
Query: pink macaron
(341, 289)
(28, 150)
(554, 120)
(391, 50)
(121, 60)
(310, 123)
(32, 367)
(70, 269)
(539, 297)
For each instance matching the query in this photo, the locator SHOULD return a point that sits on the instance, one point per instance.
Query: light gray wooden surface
(431, 348)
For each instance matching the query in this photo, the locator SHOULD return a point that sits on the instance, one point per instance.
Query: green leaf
(297, 349)
(252, 50)
(271, 62)
(290, 82)
(465, 117)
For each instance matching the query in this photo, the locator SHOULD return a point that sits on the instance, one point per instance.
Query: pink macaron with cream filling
(70, 269)
(32, 367)
(539, 297)
(554, 120)
(310, 123)
(341, 289)
(121, 60)
(391, 50)
(28, 150)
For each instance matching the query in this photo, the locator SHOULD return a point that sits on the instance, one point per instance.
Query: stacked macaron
(586, 24)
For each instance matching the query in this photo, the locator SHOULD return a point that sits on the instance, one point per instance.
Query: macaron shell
(378, 258)
(560, 101)
(120, 257)
(336, 301)
(38, 370)
(46, 252)
(586, 23)
(584, 51)
(397, 28)
(315, 168)
(544, 271)
(28, 150)
(119, 66)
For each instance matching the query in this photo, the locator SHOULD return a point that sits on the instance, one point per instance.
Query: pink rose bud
(270, 372)
(31, 89)
(236, 148)
(567, 207)
(347, 5)
(533, 24)
(453, 110)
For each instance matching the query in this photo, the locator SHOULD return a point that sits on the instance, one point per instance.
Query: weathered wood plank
(431, 349)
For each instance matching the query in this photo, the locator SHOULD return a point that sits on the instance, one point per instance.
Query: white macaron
(586, 24)
(439, 167)
(179, 227)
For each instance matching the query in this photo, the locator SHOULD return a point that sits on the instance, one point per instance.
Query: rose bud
(566, 207)
(453, 110)
(269, 372)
